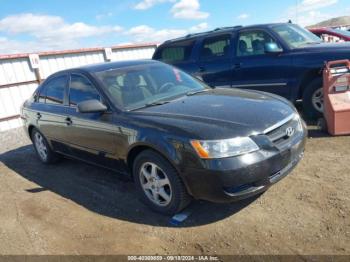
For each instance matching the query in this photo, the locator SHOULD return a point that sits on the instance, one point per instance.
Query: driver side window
(252, 43)
(81, 89)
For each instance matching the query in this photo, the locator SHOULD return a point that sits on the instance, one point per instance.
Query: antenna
(296, 11)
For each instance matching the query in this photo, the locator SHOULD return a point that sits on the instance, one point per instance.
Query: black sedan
(176, 137)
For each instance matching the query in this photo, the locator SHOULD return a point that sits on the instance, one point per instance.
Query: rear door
(50, 109)
(91, 136)
(214, 60)
(255, 69)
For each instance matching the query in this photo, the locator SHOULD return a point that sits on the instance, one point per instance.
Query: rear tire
(313, 99)
(158, 183)
(42, 148)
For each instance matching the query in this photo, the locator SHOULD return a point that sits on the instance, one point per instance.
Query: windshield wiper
(191, 93)
(157, 103)
(312, 43)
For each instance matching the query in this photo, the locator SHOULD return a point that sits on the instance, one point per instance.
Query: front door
(255, 69)
(91, 136)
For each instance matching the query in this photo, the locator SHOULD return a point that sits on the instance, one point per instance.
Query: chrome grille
(283, 134)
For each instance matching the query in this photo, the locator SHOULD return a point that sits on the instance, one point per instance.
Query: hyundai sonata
(175, 136)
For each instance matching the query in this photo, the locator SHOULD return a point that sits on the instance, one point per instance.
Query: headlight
(224, 148)
(300, 125)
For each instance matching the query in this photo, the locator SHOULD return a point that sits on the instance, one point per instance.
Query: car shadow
(105, 192)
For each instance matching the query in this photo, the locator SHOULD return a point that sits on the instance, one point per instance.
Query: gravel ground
(75, 208)
(13, 139)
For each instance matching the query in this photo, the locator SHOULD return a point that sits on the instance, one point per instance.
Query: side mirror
(91, 106)
(272, 48)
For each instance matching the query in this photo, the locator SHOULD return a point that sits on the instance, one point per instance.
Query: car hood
(218, 113)
(326, 47)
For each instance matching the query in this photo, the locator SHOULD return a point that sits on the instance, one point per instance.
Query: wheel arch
(30, 130)
(307, 79)
(140, 147)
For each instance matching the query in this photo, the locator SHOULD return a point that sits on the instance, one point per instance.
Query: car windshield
(342, 32)
(295, 36)
(139, 86)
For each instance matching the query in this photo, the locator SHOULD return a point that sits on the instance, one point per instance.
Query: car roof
(220, 30)
(107, 66)
(115, 65)
(332, 31)
(320, 29)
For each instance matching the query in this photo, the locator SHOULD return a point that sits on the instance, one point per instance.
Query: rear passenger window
(176, 52)
(81, 89)
(216, 47)
(53, 91)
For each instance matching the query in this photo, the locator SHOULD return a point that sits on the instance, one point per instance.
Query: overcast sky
(38, 25)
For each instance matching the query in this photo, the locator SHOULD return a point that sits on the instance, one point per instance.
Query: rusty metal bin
(336, 90)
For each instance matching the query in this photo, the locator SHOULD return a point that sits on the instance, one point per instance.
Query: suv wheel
(313, 99)
(42, 148)
(158, 183)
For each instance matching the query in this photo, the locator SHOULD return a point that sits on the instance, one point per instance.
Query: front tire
(42, 148)
(313, 99)
(158, 183)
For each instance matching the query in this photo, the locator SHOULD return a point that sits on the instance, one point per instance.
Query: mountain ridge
(336, 21)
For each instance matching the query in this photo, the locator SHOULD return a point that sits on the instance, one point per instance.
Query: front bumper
(236, 178)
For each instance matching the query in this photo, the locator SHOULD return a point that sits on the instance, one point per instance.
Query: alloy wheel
(40, 146)
(317, 100)
(155, 184)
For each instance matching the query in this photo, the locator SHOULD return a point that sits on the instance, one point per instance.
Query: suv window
(81, 89)
(53, 91)
(176, 52)
(253, 43)
(215, 47)
(295, 36)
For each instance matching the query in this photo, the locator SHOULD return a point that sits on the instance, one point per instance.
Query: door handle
(38, 115)
(237, 66)
(69, 121)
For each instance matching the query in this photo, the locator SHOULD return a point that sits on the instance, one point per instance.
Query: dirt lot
(74, 208)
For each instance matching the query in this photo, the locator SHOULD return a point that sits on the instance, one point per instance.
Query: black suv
(283, 59)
